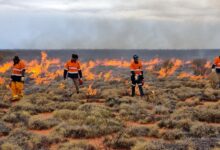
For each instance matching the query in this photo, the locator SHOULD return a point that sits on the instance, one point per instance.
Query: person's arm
(65, 71)
(214, 65)
(79, 71)
(23, 71)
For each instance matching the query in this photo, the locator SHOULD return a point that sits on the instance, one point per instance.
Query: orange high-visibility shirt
(137, 68)
(217, 62)
(18, 68)
(72, 67)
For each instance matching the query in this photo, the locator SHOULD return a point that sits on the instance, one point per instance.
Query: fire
(46, 69)
(170, 68)
(2, 81)
(116, 63)
(40, 70)
(190, 76)
(107, 76)
(5, 67)
(208, 64)
(91, 91)
(86, 67)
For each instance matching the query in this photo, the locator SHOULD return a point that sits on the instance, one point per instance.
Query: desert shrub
(112, 102)
(33, 108)
(16, 117)
(71, 131)
(4, 104)
(198, 66)
(133, 112)
(210, 94)
(25, 140)
(39, 124)
(170, 124)
(87, 121)
(68, 105)
(138, 131)
(208, 115)
(184, 124)
(4, 130)
(193, 103)
(172, 134)
(110, 93)
(159, 109)
(10, 146)
(186, 92)
(152, 145)
(142, 131)
(203, 130)
(183, 113)
(65, 114)
(76, 146)
(119, 143)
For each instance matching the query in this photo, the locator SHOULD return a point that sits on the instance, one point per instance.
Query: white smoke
(121, 24)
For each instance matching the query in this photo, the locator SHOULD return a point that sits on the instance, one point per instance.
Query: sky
(109, 24)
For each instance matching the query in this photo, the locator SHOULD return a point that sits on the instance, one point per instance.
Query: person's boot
(133, 91)
(141, 90)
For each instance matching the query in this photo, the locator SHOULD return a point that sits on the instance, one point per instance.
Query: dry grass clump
(17, 117)
(142, 131)
(66, 114)
(151, 145)
(210, 94)
(10, 146)
(198, 66)
(119, 143)
(68, 105)
(111, 93)
(39, 124)
(174, 134)
(208, 115)
(4, 104)
(88, 120)
(170, 124)
(161, 110)
(134, 111)
(112, 102)
(39, 107)
(4, 129)
(203, 130)
(22, 139)
(186, 92)
(76, 146)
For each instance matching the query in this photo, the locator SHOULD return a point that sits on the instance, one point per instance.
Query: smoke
(142, 24)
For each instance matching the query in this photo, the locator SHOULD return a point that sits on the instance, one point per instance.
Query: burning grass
(174, 110)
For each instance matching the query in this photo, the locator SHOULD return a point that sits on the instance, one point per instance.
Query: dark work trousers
(138, 82)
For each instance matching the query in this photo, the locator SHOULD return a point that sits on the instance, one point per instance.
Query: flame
(91, 91)
(116, 63)
(86, 67)
(164, 72)
(46, 69)
(190, 76)
(5, 67)
(2, 81)
(107, 76)
(40, 70)
(208, 64)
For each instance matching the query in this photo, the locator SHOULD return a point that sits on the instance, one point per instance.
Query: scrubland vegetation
(176, 114)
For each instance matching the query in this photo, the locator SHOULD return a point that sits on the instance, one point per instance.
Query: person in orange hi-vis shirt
(17, 78)
(216, 68)
(73, 71)
(137, 76)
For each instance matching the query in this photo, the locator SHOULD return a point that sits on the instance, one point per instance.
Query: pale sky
(121, 24)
